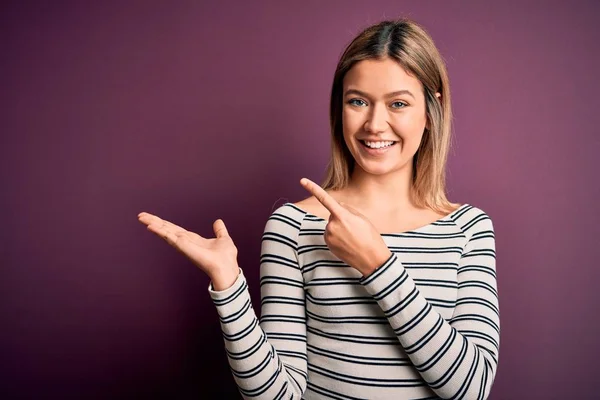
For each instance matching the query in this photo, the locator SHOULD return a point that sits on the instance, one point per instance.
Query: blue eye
(360, 103)
(352, 101)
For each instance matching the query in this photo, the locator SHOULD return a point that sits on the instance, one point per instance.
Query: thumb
(220, 229)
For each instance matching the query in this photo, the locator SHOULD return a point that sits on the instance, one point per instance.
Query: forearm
(449, 361)
(257, 368)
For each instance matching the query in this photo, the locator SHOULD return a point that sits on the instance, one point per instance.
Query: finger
(162, 224)
(220, 229)
(147, 218)
(164, 233)
(182, 241)
(153, 219)
(324, 198)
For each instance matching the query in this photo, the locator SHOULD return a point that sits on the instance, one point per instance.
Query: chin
(382, 171)
(380, 168)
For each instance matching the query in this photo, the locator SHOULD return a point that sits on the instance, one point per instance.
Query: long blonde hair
(411, 46)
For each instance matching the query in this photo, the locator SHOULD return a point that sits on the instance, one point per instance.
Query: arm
(459, 358)
(268, 360)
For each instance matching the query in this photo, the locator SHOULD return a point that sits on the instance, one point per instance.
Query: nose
(377, 120)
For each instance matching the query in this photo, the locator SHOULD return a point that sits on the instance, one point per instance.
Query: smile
(376, 148)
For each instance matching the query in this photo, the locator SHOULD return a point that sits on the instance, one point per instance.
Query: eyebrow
(392, 94)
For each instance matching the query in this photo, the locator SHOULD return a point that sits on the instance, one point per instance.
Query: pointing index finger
(324, 198)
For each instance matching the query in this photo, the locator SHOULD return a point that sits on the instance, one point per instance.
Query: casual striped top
(424, 325)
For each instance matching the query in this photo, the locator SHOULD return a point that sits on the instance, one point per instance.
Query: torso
(384, 222)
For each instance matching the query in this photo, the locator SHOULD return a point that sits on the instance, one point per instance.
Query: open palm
(212, 255)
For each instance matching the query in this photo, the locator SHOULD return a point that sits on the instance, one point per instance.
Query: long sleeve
(457, 358)
(268, 358)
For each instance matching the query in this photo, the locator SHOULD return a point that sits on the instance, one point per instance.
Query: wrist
(224, 279)
(376, 261)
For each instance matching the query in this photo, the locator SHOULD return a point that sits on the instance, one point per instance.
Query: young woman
(376, 286)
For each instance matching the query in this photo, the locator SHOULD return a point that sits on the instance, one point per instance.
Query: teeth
(378, 145)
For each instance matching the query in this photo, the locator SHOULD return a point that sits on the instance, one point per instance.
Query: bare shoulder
(305, 202)
(314, 207)
(310, 205)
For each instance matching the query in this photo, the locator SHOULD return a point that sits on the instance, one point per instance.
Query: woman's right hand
(217, 257)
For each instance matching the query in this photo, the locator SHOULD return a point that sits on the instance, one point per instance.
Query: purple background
(203, 110)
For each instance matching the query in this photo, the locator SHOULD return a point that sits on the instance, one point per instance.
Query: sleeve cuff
(234, 308)
(220, 294)
(378, 282)
(231, 298)
(366, 280)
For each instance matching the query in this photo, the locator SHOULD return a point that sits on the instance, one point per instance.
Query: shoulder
(312, 206)
(286, 216)
(309, 205)
(295, 213)
(472, 220)
(284, 225)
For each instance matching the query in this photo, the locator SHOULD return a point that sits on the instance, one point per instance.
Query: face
(382, 103)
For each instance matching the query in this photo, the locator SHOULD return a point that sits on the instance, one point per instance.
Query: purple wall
(196, 112)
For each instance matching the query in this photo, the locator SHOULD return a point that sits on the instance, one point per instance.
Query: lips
(377, 140)
(363, 142)
(374, 151)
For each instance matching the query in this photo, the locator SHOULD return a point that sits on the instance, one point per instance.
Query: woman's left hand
(350, 235)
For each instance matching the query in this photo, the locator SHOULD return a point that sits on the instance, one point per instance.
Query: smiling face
(382, 103)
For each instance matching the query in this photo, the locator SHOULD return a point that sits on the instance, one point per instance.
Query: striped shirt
(424, 325)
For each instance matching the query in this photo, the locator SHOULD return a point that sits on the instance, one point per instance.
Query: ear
(438, 95)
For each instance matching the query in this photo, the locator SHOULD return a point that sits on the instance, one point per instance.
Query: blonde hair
(411, 46)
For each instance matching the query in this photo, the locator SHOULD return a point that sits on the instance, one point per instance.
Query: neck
(388, 192)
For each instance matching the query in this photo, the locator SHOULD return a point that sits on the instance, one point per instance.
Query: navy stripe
(424, 325)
